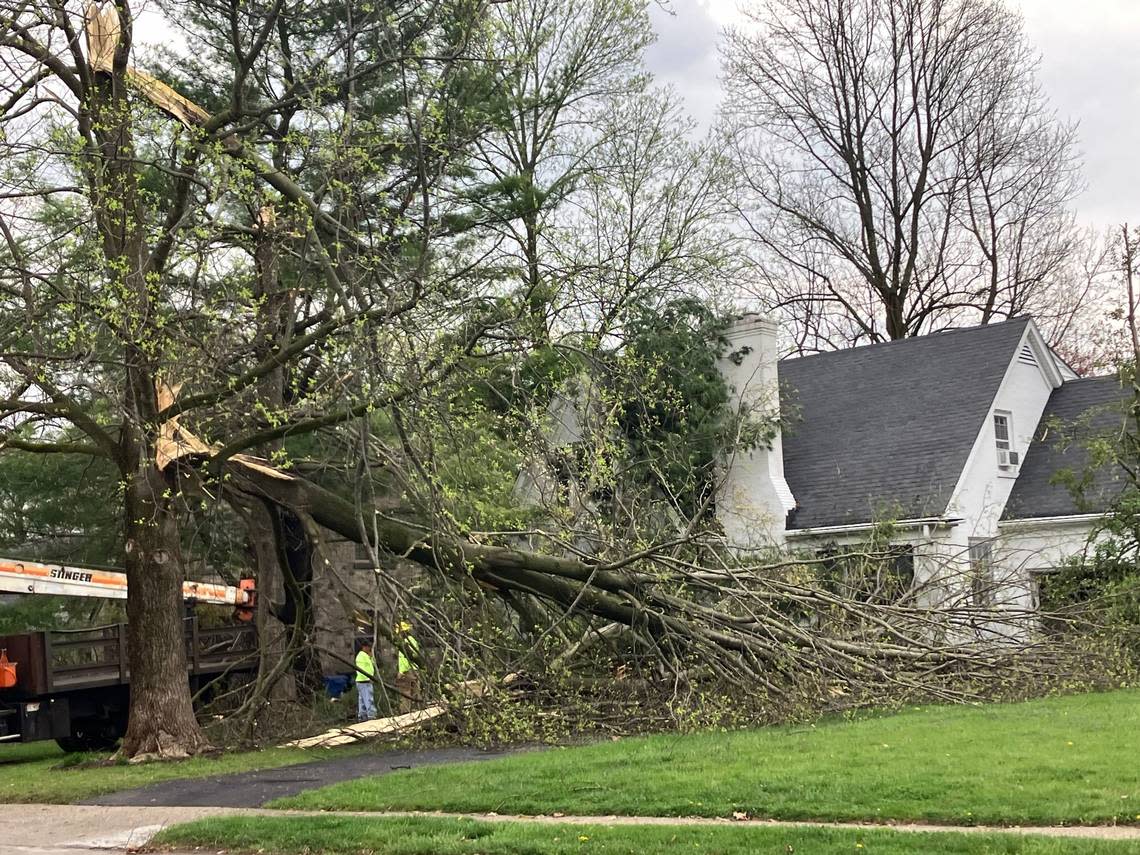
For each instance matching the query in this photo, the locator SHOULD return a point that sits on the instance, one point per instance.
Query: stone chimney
(754, 499)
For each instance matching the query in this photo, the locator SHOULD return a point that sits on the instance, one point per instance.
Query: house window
(1001, 431)
(1003, 440)
(981, 572)
(882, 575)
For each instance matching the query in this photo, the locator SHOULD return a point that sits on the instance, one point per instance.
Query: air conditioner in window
(1008, 459)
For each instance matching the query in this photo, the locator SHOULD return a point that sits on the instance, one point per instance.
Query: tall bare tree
(901, 168)
(574, 64)
(647, 222)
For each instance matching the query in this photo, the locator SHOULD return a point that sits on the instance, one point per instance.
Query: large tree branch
(17, 444)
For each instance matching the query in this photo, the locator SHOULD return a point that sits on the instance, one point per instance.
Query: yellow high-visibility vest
(365, 667)
(404, 664)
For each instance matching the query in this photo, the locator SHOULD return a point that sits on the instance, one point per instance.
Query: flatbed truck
(73, 686)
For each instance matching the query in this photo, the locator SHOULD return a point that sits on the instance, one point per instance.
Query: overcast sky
(1090, 53)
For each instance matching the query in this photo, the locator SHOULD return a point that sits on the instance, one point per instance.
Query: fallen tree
(735, 622)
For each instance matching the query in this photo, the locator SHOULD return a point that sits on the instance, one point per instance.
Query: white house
(955, 437)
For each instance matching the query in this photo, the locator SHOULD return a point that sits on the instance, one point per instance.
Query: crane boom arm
(30, 577)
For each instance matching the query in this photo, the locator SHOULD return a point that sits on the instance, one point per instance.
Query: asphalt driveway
(254, 789)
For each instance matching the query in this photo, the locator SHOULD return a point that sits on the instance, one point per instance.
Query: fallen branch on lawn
(371, 729)
(465, 693)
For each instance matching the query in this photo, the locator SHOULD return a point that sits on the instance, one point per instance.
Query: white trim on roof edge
(935, 522)
(1045, 357)
(1046, 522)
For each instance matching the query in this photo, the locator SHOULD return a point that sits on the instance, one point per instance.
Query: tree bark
(272, 634)
(162, 722)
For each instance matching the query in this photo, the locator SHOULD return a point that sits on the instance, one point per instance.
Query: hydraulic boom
(30, 577)
(74, 685)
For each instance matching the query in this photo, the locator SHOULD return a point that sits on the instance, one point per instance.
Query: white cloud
(685, 55)
(1090, 67)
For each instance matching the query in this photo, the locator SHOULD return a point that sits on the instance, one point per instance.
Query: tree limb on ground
(464, 693)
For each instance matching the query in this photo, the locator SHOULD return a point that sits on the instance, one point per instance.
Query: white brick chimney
(754, 499)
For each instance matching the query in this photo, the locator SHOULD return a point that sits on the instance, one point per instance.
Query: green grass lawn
(431, 836)
(1061, 760)
(32, 772)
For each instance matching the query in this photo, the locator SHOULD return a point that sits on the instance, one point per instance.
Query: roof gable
(884, 431)
(1094, 405)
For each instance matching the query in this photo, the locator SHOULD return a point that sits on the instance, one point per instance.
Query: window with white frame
(1003, 440)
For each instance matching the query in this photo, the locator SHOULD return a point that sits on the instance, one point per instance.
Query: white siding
(984, 487)
(1038, 546)
(934, 547)
(1025, 549)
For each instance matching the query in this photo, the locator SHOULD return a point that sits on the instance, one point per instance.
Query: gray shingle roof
(1077, 411)
(883, 431)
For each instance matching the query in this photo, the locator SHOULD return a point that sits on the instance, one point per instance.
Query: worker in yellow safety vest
(407, 667)
(365, 687)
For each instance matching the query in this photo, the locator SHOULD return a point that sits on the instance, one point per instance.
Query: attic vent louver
(1026, 355)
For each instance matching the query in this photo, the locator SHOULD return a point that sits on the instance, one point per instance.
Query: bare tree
(900, 166)
(1087, 316)
(647, 222)
(574, 63)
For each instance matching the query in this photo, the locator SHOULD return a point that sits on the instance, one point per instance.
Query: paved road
(116, 822)
(254, 789)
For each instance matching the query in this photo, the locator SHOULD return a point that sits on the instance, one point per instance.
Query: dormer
(1006, 431)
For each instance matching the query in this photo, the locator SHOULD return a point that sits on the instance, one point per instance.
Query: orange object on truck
(7, 671)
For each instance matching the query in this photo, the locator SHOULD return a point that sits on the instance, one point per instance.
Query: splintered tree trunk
(298, 553)
(162, 722)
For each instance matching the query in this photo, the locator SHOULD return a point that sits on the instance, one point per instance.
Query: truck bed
(74, 660)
